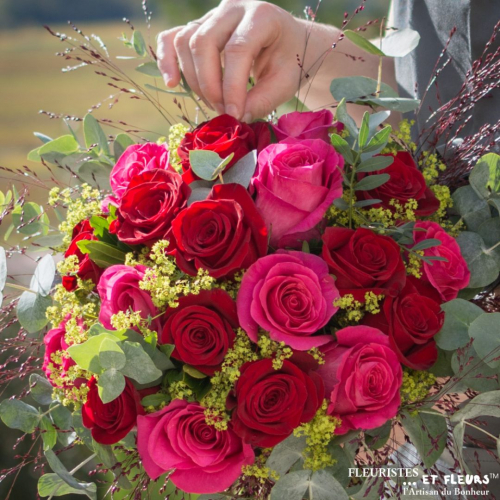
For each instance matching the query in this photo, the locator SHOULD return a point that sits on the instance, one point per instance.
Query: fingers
(206, 46)
(255, 32)
(167, 57)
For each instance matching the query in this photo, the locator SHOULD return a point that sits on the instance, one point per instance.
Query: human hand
(249, 38)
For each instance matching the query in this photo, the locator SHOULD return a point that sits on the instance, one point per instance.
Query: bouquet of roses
(252, 309)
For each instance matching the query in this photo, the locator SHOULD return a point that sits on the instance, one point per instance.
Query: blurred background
(31, 80)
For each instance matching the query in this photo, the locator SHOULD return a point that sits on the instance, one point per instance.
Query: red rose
(222, 234)
(87, 270)
(363, 261)
(201, 328)
(223, 135)
(406, 182)
(411, 320)
(111, 422)
(268, 404)
(148, 206)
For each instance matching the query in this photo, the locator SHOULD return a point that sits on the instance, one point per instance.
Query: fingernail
(248, 117)
(232, 110)
(219, 107)
(167, 80)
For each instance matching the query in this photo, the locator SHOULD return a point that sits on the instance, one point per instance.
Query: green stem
(76, 469)
(351, 191)
(481, 430)
(19, 287)
(489, 250)
(50, 409)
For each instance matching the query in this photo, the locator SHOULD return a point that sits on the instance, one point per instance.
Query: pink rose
(290, 295)
(55, 342)
(295, 183)
(135, 160)
(119, 291)
(204, 460)
(307, 125)
(363, 376)
(447, 277)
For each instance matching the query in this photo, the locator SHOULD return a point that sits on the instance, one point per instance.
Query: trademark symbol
(494, 475)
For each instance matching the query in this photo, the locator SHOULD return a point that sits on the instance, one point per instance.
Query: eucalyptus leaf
(63, 145)
(292, 486)
(110, 385)
(483, 405)
(362, 43)
(198, 194)
(86, 354)
(43, 276)
(473, 209)
(139, 44)
(94, 135)
(111, 355)
(29, 219)
(171, 92)
(44, 138)
(95, 173)
(82, 432)
(325, 487)
(489, 230)
(472, 373)
(122, 142)
(31, 311)
(139, 365)
(242, 171)
(52, 485)
(400, 43)
(41, 389)
(19, 415)
(150, 69)
(48, 433)
(485, 332)
(63, 420)
(285, 454)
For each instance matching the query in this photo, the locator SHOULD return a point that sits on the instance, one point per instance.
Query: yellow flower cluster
(319, 432)
(231, 286)
(180, 390)
(85, 204)
(352, 311)
(275, 350)
(431, 165)
(260, 472)
(414, 264)
(165, 282)
(223, 381)
(443, 195)
(175, 135)
(68, 395)
(416, 385)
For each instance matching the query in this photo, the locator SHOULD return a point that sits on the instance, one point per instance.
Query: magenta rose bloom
(119, 291)
(204, 460)
(447, 277)
(290, 295)
(294, 185)
(135, 160)
(362, 377)
(307, 125)
(55, 342)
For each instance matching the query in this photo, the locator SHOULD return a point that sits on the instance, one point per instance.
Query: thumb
(266, 96)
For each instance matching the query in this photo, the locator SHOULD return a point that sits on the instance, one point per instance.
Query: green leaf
(378, 141)
(242, 171)
(150, 69)
(325, 487)
(490, 165)
(31, 311)
(62, 419)
(106, 455)
(110, 385)
(362, 43)
(483, 405)
(425, 244)
(483, 267)
(473, 209)
(400, 43)
(342, 147)
(371, 182)
(427, 433)
(343, 116)
(3, 268)
(86, 355)
(103, 254)
(94, 134)
(57, 466)
(472, 373)
(341, 204)
(459, 314)
(40, 389)
(111, 355)
(340, 469)
(489, 230)
(82, 432)
(485, 332)
(96, 173)
(193, 372)
(167, 349)
(139, 365)
(155, 399)
(44, 275)
(48, 433)
(366, 203)
(208, 164)
(29, 219)
(44, 138)
(51, 241)
(293, 486)
(286, 454)
(18, 415)
(442, 367)
(377, 438)
(52, 485)
(357, 88)
(375, 163)
(364, 131)
(122, 142)
(139, 43)
(171, 92)
(63, 145)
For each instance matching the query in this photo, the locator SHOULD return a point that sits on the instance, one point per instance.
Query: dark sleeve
(434, 19)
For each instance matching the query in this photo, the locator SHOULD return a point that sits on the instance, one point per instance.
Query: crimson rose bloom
(111, 422)
(177, 438)
(362, 377)
(450, 276)
(135, 160)
(223, 135)
(406, 182)
(290, 295)
(411, 320)
(222, 234)
(269, 404)
(87, 270)
(201, 328)
(363, 262)
(295, 183)
(148, 206)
